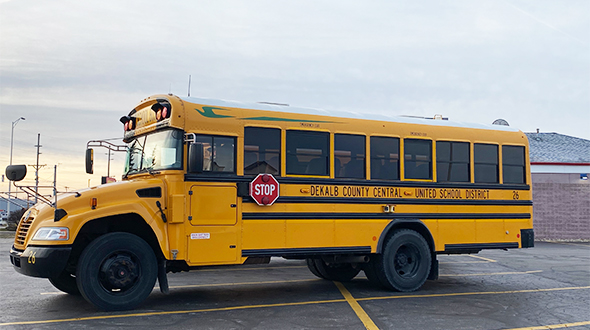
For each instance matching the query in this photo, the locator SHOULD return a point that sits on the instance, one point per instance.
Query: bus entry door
(212, 235)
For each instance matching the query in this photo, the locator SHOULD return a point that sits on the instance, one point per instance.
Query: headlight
(52, 234)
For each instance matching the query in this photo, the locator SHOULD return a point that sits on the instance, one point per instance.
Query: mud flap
(433, 269)
(162, 277)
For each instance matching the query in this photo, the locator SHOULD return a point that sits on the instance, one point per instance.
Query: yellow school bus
(211, 182)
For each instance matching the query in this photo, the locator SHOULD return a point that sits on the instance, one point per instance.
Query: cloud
(525, 61)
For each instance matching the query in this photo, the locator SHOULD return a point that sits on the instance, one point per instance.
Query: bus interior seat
(316, 166)
(354, 169)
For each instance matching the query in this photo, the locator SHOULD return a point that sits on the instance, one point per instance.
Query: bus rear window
(513, 164)
(485, 161)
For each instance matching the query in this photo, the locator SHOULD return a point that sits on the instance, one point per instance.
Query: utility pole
(37, 167)
(109, 165)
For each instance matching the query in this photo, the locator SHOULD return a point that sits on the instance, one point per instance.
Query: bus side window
(349, 156)
(513, 168)
(418, 159)
(262, 148)
(452, 161)
(218, 153)
(384, 158)
(485, 161)
(308, 152)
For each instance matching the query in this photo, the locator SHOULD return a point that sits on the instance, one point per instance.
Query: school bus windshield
(156, 151)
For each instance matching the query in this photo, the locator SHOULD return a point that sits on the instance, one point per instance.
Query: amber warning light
(162, 110)
(129, 123)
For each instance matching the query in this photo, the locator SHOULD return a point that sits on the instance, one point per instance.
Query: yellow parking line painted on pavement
(482, 258)
(464, 262)
(106, 317)
(308, 280)
(302, 303)
(218, 284)
(47, 293)
(360, 312)
(554, 326)
(490, 274)
(434, 295)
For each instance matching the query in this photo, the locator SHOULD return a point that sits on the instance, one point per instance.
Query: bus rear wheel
(405, 262)
(341, 272)
(117, 271)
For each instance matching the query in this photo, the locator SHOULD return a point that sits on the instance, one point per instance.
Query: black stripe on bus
(342, 182)
(462, 248)
(306, 251)
(370, 200)
(342, 216)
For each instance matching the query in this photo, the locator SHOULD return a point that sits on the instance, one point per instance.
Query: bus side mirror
(89, 161)
(195, 157)
(16, 172)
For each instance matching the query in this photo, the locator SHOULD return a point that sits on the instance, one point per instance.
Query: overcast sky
(72, 68)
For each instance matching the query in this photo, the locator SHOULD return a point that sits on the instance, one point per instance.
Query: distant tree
(14, 218)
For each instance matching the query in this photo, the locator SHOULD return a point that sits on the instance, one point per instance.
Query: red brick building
(560, 165)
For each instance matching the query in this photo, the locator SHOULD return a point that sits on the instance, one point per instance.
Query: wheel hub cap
(118, 273)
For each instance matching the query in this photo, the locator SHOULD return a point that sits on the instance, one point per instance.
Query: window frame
(372, 157)
(476, 163)
(325, 152)
(450, 162)
(213, 151)
(279, 152)
(523, 166)
(430, 159)
(352, 157)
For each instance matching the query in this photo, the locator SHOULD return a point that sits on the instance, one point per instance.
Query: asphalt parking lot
(547, 287)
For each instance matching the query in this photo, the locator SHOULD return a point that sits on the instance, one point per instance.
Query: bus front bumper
(40, 261)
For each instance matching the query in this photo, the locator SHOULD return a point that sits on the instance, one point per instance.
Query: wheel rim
(119, 272)
(407, 260)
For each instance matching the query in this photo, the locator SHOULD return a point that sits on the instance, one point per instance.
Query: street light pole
(11, 143)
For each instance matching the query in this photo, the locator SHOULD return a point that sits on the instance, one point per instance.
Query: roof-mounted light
(128, 123)
(162, 110)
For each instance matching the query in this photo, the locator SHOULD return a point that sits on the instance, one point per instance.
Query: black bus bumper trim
(294, 252)
(527, 238)
(474, 248)
(40, 261)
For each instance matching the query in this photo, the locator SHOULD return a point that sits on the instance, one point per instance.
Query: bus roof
(343, 114)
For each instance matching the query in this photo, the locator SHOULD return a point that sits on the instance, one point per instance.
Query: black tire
(65, 282)
(371, 273)
(117, 271)
(312, 268)
(341, 272)
(405, 263)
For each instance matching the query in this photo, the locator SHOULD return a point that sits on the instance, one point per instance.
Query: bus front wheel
(117, 271)
(405, 262)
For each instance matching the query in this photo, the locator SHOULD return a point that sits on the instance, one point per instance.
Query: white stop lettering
(264, 189)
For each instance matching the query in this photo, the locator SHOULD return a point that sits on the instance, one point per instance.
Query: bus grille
(23, 229)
